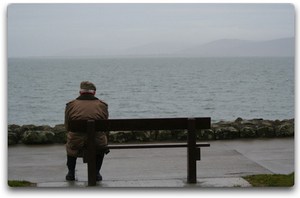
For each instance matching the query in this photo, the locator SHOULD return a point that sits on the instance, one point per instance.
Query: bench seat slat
(166, 145)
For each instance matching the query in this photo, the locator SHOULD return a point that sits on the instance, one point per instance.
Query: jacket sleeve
(104, 109)
(67, 117)
(106, 112)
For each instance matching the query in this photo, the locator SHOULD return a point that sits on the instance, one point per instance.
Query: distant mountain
(149, 49)
(241, 48)
(219, 48)
(156, 49)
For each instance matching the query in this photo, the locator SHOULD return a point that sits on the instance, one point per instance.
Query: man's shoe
(98, 177)
(70, 176)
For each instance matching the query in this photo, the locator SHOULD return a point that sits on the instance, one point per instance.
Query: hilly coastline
(242, 48)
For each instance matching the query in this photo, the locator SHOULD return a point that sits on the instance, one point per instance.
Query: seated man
(85, 107)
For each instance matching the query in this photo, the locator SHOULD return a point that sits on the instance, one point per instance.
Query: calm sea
(221, 88)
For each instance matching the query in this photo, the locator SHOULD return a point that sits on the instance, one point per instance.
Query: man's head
(87, 87)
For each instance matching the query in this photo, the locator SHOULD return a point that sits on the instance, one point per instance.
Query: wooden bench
(191, 124)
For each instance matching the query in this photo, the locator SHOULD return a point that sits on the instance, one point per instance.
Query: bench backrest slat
(140, 124)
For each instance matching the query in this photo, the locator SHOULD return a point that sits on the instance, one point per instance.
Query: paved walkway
(222, 164)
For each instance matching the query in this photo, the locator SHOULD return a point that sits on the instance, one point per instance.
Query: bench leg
(191, 152)
(91, 147)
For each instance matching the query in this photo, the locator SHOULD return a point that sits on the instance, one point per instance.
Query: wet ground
(222, 164)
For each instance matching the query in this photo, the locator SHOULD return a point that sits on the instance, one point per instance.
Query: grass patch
(275, 180)
(16, 183)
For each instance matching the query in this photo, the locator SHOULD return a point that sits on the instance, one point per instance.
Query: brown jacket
(85, 107)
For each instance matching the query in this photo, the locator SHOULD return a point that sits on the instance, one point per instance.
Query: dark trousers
(71, 162)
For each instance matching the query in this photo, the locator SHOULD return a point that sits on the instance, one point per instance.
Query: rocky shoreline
(240, 128)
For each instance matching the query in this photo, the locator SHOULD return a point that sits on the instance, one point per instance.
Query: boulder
(251, 123)
(12, 138)
(38, 137)
(60, 133)
(13, 127)
(206, 134)
(267, 123)
(15, 134)
(120, 136)
(247, 132)
(164, 135)
(43, 128)
(28, 127)
(265, 131)
(144, 136)
(285, 130)
(59, 127)
(221, 124)
(247, 123)
(226, 133)
(238, 120)
(239, 128)
(181, 134)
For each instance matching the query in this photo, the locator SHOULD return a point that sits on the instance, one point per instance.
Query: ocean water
(220, 88)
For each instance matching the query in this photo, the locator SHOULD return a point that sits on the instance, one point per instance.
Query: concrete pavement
(222, 164)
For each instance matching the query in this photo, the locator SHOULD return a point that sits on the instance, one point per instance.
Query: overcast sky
(69, 29)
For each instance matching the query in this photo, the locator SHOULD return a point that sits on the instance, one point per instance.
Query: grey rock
(239, 119)
(13, 127)
(59, 127)
(12, 138)
(265, 131)
(120, 137)
(247, 132)
(60, 133)
(206, 134)
(144, 136)
(28, 127)
(227, 133)
(181, 134)
(164, 135)
(15, 134)
(239, 128)
(43, 128)
(38, 137)
(285, 130)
